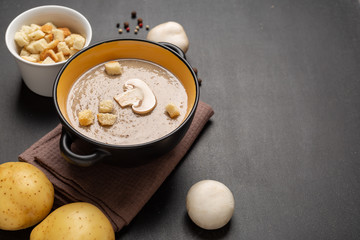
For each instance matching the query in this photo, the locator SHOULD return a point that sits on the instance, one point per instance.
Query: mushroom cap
(210, 204)
(171, 32)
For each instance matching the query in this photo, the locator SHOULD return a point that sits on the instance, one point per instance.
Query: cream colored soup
(130, 128)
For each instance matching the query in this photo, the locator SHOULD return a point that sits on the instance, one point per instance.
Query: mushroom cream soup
(127, 126)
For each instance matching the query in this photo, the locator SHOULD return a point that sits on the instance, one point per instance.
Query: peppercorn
(135, 31)
(141, 25)
(117, 25)
(133, 14)
(137, 27)
(126, 24)
(120, 30)
(140, 20)
(147, 27)
(200, 81)
(127, 29)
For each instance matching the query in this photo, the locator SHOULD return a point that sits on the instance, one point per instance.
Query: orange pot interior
(119, 49)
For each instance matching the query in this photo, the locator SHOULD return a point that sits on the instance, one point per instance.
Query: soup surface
(130, 128)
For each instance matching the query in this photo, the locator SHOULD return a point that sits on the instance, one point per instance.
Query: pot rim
(68, 126)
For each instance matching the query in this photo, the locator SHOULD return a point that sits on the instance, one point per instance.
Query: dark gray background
(283, 77)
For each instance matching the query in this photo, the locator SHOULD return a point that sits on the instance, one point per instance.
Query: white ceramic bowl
(40, 77)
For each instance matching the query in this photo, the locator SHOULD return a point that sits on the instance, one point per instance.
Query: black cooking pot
(163, 54)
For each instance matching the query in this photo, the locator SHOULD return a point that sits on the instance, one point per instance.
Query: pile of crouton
(47, 44)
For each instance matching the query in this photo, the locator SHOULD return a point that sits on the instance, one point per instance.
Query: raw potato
(210, 204)
(171, 32)
(26, 195)
(79, 221)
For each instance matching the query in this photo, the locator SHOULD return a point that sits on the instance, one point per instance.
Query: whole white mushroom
(171, 32)
(210, 204)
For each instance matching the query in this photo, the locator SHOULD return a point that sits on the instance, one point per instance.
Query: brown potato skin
(26, 195)
(80, 220)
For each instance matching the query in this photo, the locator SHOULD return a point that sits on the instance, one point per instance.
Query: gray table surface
(283, 78)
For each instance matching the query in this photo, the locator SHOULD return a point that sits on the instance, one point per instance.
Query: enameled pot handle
(175, 48)
(77, 159)
(179, 52)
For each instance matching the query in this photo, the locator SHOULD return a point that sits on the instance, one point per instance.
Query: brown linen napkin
(119, 192)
